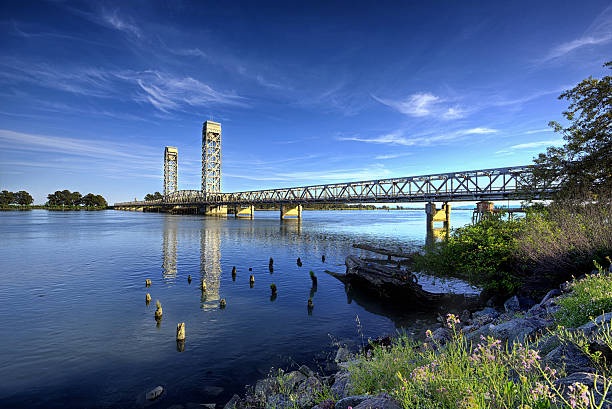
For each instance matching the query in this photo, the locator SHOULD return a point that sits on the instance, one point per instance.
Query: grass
(589, 297)
(461, 375)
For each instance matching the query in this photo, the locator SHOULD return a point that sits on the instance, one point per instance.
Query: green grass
(459, 375)
(590, 296)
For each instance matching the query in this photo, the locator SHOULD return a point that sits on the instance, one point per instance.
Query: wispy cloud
(419, 104)
(454, 113)
(324, 176)
(162, 90)
(599, 32)
(531, 146)
(392, 155)
(114, 20)
(530, 132)
(398, 138)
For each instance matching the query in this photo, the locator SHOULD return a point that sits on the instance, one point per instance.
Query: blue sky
(307, 93)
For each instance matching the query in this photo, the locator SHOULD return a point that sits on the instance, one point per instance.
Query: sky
(306, 92)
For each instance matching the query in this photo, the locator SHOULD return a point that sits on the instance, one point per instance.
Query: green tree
(6, 198)
(584, 164)
(23, 198)
(154, 196)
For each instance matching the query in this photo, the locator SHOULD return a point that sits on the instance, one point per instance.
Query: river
(76, 331)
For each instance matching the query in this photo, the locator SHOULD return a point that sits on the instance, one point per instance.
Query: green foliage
(66, 198)
(583, 164)
(23, 198)
(590, 296)
(460, 375)
(483, 254)
(563, 239)
(601, 337)
(6, 198)
(154, 196)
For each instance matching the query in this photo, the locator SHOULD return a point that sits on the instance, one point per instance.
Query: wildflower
(541, 391)
(452, 320)
(428, 334)
(578, 395)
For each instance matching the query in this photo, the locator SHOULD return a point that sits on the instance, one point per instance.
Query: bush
(563, 239)
(483, 254)
(590, 296)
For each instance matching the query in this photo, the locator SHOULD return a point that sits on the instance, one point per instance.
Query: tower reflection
(170, 244)
(210, 261)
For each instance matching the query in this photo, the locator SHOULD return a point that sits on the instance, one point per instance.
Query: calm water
(76, 331)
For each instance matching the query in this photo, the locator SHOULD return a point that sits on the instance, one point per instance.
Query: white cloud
(531, 146)
(453, 113)
(393, 155)
(397, 138)
(417, 105)
(477, 131)
(538, 131)
(599, 32)
(112, 19)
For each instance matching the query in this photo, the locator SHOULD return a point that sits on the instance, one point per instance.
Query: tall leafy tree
(6, 198)
(583, 165)
(154, 196)
(23, 198)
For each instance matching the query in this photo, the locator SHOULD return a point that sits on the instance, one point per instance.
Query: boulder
(342, 385)
(292, 379)
(591, 326)
(231, 404)
(441, 336)
(342, 355)
(326, 404)
(350, 401)
(546, 344)
(489, 311)
(279, 401)
(308, 391)
(517, 330)
(265, 386)
(517, 304)
(306, 371)
(569, 357)
(155, 393)
(382, 401)
(549, 296)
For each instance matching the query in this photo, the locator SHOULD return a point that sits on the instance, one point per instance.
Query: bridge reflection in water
(210, 261)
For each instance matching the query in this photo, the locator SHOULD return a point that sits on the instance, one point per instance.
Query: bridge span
(482, 185)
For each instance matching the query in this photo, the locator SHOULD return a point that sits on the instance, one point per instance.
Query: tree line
(75, 199)
(63, 198)
(21, 198)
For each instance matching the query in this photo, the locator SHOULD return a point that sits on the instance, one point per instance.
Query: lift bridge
(485, 185)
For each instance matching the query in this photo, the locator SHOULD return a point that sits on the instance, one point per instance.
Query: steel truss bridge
(475, 185)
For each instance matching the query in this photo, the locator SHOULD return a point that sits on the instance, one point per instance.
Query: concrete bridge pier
(435, 215)
(287, 211)
(212, 210)
(248, 211)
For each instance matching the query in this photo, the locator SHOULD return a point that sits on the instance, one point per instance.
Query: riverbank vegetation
(554, 241)
(60, 200)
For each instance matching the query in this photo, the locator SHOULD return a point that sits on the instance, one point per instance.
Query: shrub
(590, 296)
(483, 254)
(563, 239)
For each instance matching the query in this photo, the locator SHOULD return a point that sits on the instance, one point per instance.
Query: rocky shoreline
(519, 319)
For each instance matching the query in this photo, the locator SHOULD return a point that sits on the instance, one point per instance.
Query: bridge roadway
(473, 185)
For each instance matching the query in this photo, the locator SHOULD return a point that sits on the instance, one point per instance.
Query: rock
(550, 295)
(307, 391)
(591, 326)
(265, 386)
(546, 344)
(570, 357)
(465, 316)
(484, 316)
(536, 310)
(518, 329)
(292, 379)
(382, 401)
(213, 390)
(306, 371)
(342, 355)
(231, 404)
(342, 385)
(208, 405)
(351, 401)
(326, 404)
(441, 335)
(155, 393)
(279, 401)
(591, 380)
(517, 304)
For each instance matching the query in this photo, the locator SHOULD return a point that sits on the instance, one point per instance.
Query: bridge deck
(485, 184)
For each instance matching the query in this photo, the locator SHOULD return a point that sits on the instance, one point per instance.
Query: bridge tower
(211, 158)
(170, 170)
